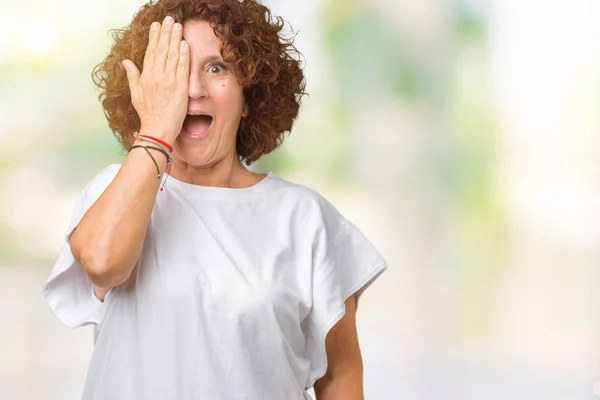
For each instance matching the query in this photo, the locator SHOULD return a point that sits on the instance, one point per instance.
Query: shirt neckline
(191, 190)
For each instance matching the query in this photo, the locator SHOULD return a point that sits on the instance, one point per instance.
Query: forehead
(201, 38)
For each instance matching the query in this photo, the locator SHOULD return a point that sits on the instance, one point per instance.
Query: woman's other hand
(160, 93)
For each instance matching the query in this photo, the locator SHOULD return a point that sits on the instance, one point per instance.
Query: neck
(227, 173)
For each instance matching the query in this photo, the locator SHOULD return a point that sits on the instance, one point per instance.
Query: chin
(196, 155)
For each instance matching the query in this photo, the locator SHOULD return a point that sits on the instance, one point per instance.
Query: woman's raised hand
(160, 93)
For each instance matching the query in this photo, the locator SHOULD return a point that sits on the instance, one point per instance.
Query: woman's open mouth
(197, 127)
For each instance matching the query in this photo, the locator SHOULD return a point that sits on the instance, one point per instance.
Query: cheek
(228, 94)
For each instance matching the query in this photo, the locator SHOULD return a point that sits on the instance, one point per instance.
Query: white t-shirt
(231, 299)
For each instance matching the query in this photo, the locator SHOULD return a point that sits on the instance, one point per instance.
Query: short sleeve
(345, 263)
(68, 290)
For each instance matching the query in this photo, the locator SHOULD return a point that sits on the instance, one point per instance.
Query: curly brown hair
(261, 59)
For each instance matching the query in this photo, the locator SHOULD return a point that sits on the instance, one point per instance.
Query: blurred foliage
(368, 56)
(478, 219)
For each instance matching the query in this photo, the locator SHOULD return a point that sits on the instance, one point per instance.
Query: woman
(228, 284)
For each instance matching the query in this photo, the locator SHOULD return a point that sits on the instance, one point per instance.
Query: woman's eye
(216, 68)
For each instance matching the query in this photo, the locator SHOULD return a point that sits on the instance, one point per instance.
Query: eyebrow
(211, 58)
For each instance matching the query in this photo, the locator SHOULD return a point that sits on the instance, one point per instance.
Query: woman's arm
(108, 239)
(344, 377)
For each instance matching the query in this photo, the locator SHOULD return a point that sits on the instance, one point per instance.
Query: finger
(152, 43)
(160, 58)
(183, 65)
(133, 77)
(173, 54)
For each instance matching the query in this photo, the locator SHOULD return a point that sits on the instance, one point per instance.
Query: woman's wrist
(151, 139)
(158, 133)
(148, 142)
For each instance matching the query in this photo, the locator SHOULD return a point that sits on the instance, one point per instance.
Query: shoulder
(100, 181)
(105, 175)
(109, 171)
(314, 205)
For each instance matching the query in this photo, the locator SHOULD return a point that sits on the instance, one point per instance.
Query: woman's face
(213, 90)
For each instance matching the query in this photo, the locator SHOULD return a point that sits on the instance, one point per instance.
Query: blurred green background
(461, 136)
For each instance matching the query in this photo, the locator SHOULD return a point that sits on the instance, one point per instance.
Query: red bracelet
(167, 145)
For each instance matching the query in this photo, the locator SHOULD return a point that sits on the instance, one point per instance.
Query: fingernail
(154, 26)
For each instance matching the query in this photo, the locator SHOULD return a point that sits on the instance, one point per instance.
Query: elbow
(98, 269)
(103, 276)
(104, 273)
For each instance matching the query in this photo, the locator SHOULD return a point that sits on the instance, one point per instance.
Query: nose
(197, 87)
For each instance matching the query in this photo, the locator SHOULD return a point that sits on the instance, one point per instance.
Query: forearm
(109, 237)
